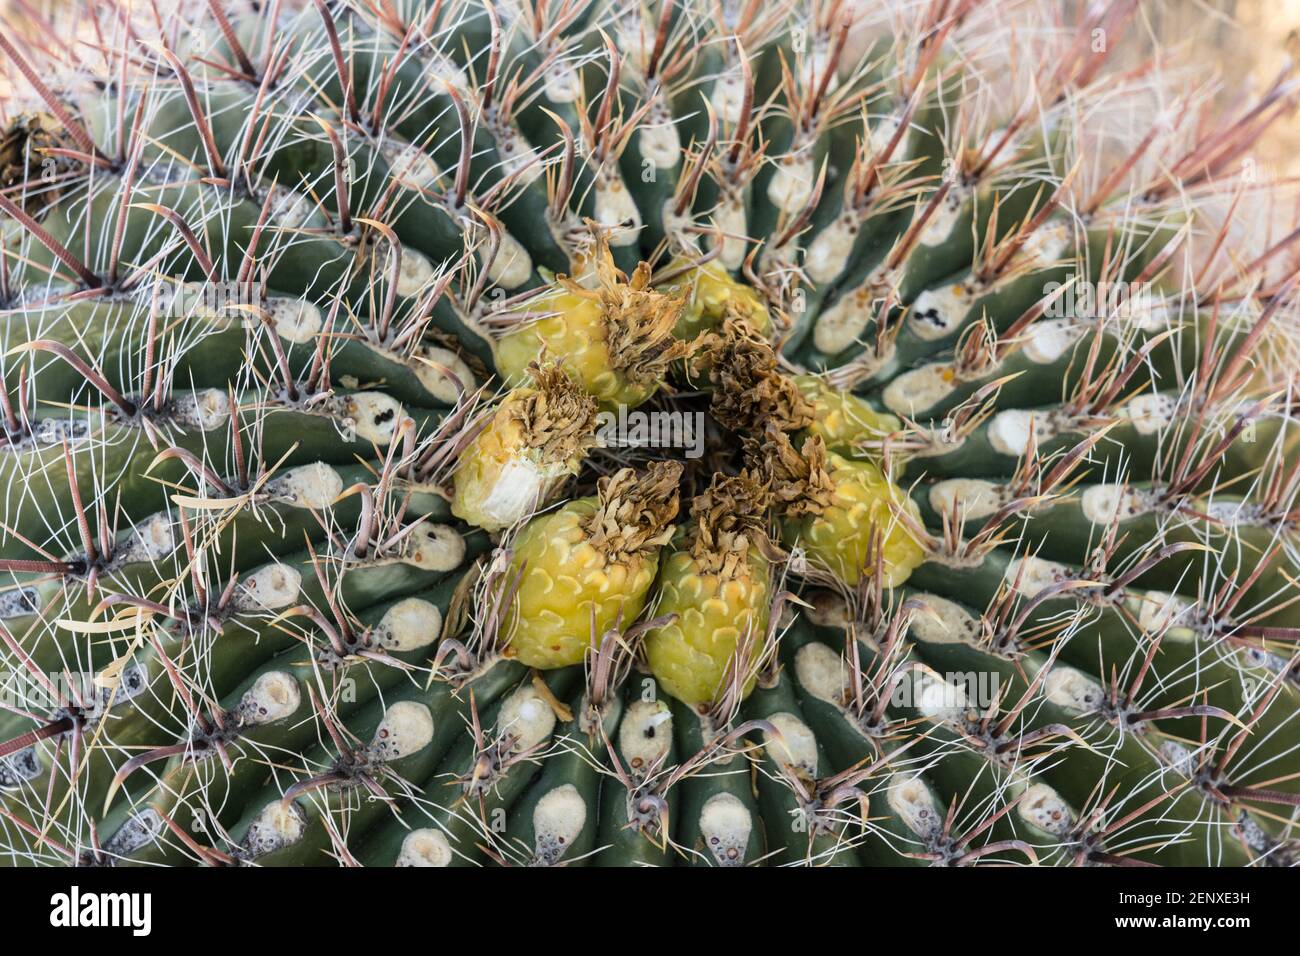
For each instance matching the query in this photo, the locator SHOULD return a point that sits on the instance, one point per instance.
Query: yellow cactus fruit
(845, 515)
(536, 438)
(614, 332)
(718, 586)
(590, 564)
(711, 295)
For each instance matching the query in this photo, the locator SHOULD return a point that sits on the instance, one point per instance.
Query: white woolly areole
(406, 729)
(1178, 757)
(774, 260)
(1073, 690)
(205, 410)
(728, 96)
(911, 800)
(725, 824)
(1150, 413)
(441, 68)
(54, 431)
(424, 847)
(20, 766)
(882, 131)
(1102, 504)
(615, 207)
(944, 622)
(113, 686)
(1152, 316)
(645, 733)
(190, 297)
(920, 389)
(19, 601)
(729, 218)
(151, 540)
(1232, 512)
(561, 83)
(416, 272)
(1047, 340)
(820, 671)
(296, 320)
(1030, 574)
(1047, 245)
(1042, 807)
(293, 210)
(676, 225)
(307, 486)
(937, 699)
(274, 696)
(1258, 659)
(659, 140)
(411, 166)
(527, 716)
(277, 825)
(1158, 612)
(819, 58)
(940, 226)
(797, 746)
(269, 588)
(843, 322)
(558, 818)
(1009, 431)
(518, 158)
(791, 186)
(434, 547)
(634, 32)
(410, 624)
(512, 265)
(972, 498)
(443, 373)
(827, 256)
(937, 313)
(372, 416)
(139, 830)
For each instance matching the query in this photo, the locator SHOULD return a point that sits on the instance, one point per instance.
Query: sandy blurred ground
(1247, 41)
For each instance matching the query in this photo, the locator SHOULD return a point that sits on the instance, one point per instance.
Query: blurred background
(1248, 42)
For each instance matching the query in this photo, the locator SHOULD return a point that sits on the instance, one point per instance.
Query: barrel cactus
(641, 432)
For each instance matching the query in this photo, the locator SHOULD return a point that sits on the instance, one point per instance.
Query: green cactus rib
(970, 535)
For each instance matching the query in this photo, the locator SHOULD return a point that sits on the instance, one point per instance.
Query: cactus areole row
(641, 432)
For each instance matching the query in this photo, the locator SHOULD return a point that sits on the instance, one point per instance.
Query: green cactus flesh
(605, 432)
